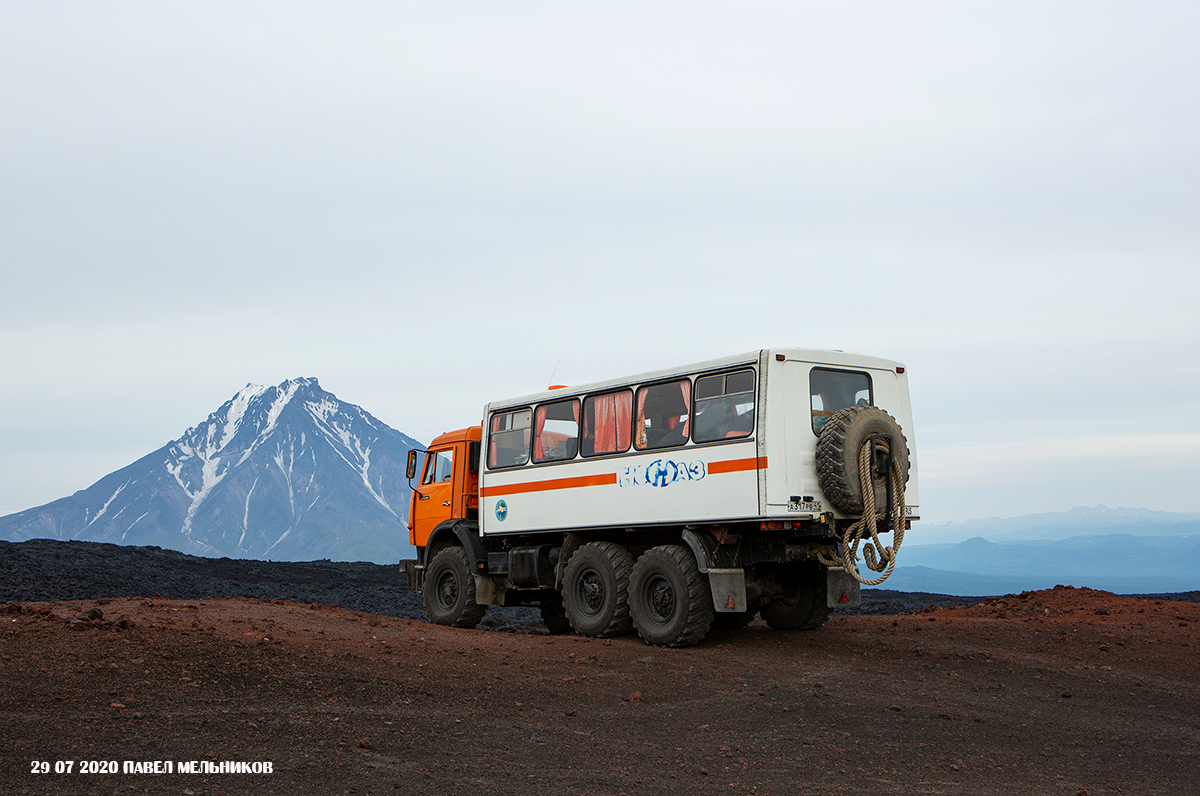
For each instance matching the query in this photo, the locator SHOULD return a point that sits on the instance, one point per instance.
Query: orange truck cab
(448, 490)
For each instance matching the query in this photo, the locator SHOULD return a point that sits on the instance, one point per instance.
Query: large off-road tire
(596, 590)
(669, 599)
(450, 590)
(803, 605)
(837, 456)
(554, 617)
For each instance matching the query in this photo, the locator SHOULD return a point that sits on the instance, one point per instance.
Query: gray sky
(428, 205)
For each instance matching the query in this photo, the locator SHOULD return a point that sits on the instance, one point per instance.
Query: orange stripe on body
(737, 465)
(553, 483)
(605, 479)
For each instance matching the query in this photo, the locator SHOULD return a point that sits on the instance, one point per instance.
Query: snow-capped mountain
(285, 473)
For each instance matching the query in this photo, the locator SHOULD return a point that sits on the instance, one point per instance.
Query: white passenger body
(768, 475)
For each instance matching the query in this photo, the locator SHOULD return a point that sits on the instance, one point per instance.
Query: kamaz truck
(670, 502)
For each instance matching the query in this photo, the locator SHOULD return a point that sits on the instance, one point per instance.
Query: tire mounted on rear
(837, 456)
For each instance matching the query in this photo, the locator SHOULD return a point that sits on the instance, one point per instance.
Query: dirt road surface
(1067, 691)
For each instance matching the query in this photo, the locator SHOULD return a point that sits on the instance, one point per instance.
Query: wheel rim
(789, 603)
(447, 590)
(591, 592)
(660, 599)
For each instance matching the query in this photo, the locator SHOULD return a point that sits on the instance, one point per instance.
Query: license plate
(812, 506)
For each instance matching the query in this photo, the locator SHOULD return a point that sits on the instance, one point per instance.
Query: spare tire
(837, 456)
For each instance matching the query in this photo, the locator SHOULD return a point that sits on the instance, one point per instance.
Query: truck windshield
(836, 389)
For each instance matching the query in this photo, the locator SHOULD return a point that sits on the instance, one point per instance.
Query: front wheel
(669, 598)
(450, 590)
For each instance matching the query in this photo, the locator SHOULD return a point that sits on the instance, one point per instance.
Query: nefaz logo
(662, 472)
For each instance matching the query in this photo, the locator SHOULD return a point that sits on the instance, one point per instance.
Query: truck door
(434, 496)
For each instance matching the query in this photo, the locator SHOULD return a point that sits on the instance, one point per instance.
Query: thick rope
(878, 556)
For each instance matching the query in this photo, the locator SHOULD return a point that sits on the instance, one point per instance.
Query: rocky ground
(121, 654)
(43, 569)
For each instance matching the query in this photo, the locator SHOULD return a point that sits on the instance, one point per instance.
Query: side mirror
(411, 471)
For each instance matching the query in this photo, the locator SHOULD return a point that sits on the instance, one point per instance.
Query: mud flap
(487, 592)
(728, 590)
(841, 589)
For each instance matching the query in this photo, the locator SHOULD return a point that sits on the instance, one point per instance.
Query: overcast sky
(429, 205)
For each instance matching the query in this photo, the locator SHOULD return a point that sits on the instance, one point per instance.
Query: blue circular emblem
(501, 510)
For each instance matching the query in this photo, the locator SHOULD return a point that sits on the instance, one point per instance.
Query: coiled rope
(879, 557)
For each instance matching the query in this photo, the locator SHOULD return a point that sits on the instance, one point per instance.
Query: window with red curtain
(556, 431)
(663, 414)
(606, 422)
(508, 438)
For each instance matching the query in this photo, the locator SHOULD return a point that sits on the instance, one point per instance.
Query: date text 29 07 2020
(151, 767)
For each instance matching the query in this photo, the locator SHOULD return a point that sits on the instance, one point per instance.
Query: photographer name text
(151, 767)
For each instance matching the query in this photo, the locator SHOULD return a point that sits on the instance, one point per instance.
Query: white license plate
(812, 506)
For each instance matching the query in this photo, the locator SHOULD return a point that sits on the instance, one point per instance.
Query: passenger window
(663, 412)
(508, 439)
(439, 467)
(724, 406)
(556, 434)
(832, 390)
(606, 422)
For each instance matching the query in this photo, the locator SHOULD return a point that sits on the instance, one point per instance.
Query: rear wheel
(670, 599)
(596, 590)
(802, 606)
(450, 590)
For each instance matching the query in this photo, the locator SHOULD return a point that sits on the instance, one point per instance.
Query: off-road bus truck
(669, 502)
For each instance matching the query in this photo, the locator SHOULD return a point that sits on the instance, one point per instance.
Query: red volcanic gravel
(1065, 691)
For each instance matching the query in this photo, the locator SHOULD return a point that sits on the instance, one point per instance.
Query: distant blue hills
(1127, 551)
